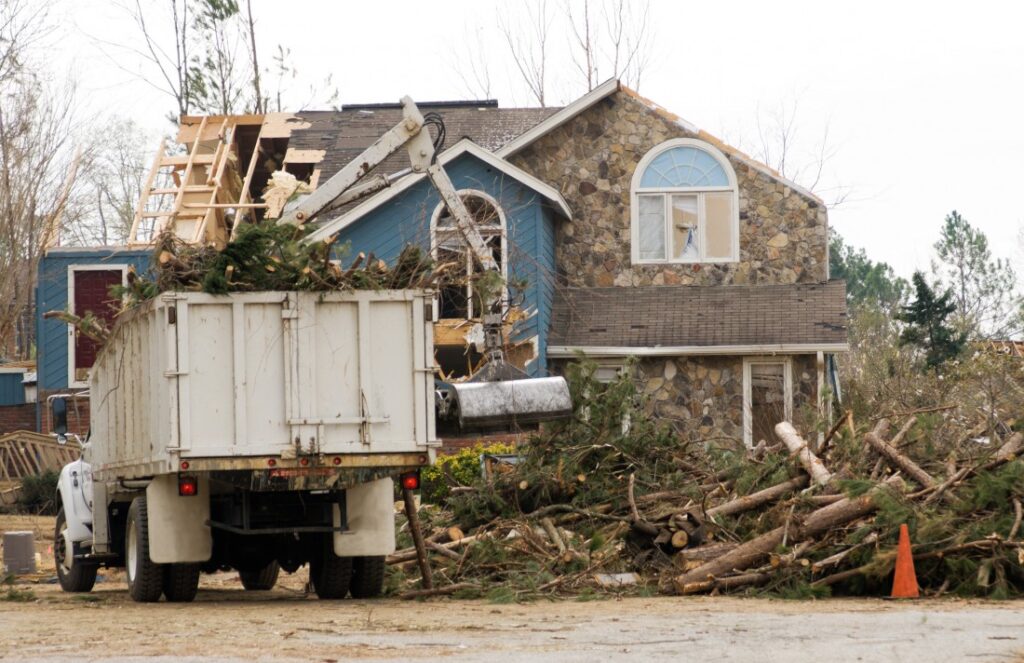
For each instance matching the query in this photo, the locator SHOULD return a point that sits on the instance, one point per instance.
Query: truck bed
(231, 381)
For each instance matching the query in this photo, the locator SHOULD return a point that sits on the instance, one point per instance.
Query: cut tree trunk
(756, 550)
(761, 497)
(707, 552)
(417, 538)
(729, 582)
(798, 447)
(899, 461)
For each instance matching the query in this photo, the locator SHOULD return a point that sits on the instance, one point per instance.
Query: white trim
(787, 387)
(635, 191)
(466, 193)
(4, 370)
(603, 90)
(569, 351)
(464, 146)
(106, 267)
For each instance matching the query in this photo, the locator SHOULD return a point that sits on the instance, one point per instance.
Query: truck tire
(329, 573)
(145, 578)
(80, 577)
(181, 582)
(261, 579)
(367, 577)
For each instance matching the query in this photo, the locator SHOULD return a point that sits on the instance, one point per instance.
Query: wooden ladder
(177, 195)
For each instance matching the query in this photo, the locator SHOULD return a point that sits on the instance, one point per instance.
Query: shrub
(38, 491)
(460, 469)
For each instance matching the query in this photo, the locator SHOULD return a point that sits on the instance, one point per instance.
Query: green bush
(38, 492)
(461, 469)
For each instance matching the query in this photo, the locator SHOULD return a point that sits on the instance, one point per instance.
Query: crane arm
(410, 133)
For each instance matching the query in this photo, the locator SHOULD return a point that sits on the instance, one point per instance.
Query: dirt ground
(227, 624)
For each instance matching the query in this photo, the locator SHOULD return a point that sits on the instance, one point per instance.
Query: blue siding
(12, 392)
(530, 223)
(52, 295)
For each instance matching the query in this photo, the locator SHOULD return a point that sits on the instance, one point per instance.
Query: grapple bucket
(511, 402)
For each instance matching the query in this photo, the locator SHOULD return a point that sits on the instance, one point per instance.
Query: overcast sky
(923, 102)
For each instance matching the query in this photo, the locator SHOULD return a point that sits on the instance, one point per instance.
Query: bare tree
(112, 174)
(621, 50)
(528, 43)
(783, 143)
(584, 55)
(471, 65)
(37, 164)
(259, 103)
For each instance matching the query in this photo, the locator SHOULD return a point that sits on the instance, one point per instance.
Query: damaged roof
(700, 319)
(344, 134)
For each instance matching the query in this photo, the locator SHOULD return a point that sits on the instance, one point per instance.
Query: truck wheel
(181, 582)
(367, 577)
(79, 577)
(330, 574)
(261, 579)
(145, 578)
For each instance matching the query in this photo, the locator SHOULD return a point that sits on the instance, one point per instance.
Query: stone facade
(702, 397)
(592, 158)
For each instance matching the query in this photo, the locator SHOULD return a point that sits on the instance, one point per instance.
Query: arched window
(456, 300)
(685, 205)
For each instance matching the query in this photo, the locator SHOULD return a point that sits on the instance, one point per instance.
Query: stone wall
(591, 159)
(702, 397)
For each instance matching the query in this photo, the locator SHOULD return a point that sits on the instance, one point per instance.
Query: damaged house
(622, 230)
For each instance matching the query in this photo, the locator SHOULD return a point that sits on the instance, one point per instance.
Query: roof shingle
(700, 316)
(345, 134)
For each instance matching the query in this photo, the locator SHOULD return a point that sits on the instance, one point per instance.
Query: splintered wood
(200, 188)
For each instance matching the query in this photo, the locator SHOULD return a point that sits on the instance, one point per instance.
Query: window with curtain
(685, 205)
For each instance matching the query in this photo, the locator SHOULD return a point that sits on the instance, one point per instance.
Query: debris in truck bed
(269, 256)
(609, 492)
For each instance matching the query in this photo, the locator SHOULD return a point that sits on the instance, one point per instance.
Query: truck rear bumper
(310, 465)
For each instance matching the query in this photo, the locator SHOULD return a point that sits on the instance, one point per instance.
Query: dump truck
(262, 431)
(253, 431)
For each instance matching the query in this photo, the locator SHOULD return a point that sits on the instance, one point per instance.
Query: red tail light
(188, 486)
(410, 480)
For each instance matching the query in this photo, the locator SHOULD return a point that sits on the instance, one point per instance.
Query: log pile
(594, 506)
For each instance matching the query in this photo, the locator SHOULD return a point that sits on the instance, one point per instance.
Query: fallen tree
(593, 506)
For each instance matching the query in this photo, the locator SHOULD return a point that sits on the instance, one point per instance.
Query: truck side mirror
(59, 417)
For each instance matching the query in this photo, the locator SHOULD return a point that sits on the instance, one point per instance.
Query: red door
(92, 295)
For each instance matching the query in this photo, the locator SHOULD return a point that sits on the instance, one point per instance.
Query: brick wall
(17, 417)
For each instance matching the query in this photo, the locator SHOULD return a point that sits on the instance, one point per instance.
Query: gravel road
(227, 624)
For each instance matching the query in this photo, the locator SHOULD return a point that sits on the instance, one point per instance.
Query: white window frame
(436, 216)
(666, 193)
(109, 267)
(787, 373)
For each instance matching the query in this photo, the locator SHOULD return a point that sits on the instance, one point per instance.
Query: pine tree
(928, 326)
(868, 283)
(982, 287)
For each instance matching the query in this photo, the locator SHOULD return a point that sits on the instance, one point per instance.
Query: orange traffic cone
(904, 583)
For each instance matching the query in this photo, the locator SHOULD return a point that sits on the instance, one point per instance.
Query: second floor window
(458, 300)
(684, 205)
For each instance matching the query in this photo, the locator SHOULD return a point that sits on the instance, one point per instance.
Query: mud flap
(177, 525)
(370, 508)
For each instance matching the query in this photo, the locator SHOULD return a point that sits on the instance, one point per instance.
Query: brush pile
(269, 256)
(263, 257)
(609, 501)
